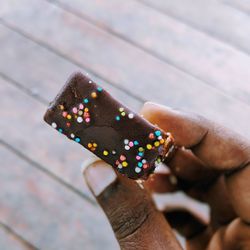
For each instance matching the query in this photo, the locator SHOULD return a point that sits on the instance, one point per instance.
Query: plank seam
(188, 23)
(50, 174)
(76, 63)
(17, 236)
(142, 48)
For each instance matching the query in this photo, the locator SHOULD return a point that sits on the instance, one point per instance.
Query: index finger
(216, 146)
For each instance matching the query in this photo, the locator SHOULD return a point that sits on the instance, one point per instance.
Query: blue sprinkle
(118, 118)
(139, 164)
(99, 89)
(60, 130)
(136, 143)
(140, 153)
(85, 100)
(77, 139)
(158, 133)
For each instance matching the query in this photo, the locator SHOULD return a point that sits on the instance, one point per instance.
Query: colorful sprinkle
(141, 149)
(131, 144)
(157, 144)
(77, 139)
(113, 152)
(72, 135)
(54, 125)
(130, 115)
(87, 120)
(74, 110)
(68, 124)
(99, 89)
(60, 130)
(69, 116)
(81, 106)
(143, 161)
(61, 107)
(95, 145)
(64, 113)
(151, 136)
(137, 170)
(127, 147)
(137, 157)
(118, 118)
(145, 165)
(140, 153)
(136, 143)
(139, 164)
(93, 95)
(122, 157)
(85, 100)
(149, 146)
(121, 109)
(126, 141)
(123, 113)
(79, 119)
(80, 112)
(89, 145)
(86, 110)
(105, 152)
(119, 166)
(162, 141)
(90, 81)
(157, 132)
(124, 164)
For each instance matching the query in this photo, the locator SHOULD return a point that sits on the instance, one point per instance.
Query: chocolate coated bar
(87, 114)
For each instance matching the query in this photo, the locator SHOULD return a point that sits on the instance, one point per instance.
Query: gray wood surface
(191, 55)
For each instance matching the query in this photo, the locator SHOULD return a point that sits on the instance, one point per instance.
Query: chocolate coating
(86, 113)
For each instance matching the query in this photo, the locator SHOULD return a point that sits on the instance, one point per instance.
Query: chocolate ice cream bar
(87, 114)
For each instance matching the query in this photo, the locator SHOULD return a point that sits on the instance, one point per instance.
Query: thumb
(134, 219)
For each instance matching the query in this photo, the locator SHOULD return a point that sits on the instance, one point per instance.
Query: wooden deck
(191, 55)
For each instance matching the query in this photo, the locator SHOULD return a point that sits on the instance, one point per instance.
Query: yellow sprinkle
(94, 145)
(69, 117)
(80, 112)
(121, 109)
(123, 113)
(124, 164)
(61, 107)
(93, 95)
(89, 145)
(162, 141)
(105, 152)
(149, 146)
(86, 109)
(141, 149)
(157, 144)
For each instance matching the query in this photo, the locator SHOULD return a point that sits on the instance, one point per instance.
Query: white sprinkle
(72, 135)
(119, 166)
(137, 170)
(143, 161)
(90, 81)
(127, 147)
(130, 115)
(159, 137)
(126, 141)
(54, 125)
(79, 119)
(113, 152)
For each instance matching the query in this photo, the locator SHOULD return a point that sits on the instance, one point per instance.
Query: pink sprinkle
(74, 110)
(87, 120)
(64, 113)
(151, 136)
(122, 157)
(145, 165)
(81, 106)
(117, 162)
(138, 157)
(131, 144)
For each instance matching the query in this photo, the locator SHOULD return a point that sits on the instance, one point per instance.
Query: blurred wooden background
(187, 54)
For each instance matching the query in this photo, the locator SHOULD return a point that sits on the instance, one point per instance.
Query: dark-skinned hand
(211, 165)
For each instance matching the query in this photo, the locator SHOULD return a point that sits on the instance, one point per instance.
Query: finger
(130, 210)
(185, 222)
(216, 146)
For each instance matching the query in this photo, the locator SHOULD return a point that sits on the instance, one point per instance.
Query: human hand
(210, 165)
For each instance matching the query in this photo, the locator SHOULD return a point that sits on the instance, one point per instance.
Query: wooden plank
(214, 62)
(212, 17)
(11, 242)
(22, 127)
(42, 72)
(130, 67)
(46, 213)
(243, 5)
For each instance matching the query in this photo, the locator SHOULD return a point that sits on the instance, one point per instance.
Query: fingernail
(98, 176)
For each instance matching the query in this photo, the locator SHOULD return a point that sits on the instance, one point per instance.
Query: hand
(212, 165)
